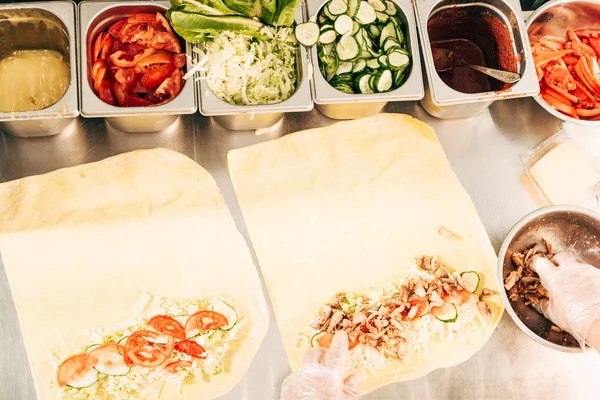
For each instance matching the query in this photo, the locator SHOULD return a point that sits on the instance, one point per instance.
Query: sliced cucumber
(229, 312)
(388, 31)
(374, 31)
(390, 8)
(347, 48)
(383, 61)
(328, 14)
(344, 88)
(471, 280)
(363, 84)
(398, 60)
(366, 14)
(328, 36)
(382, 17)
(352, 8)
(307, 34)
(359, 66)
(326, 50)
(344, 67)
(337, 7)
(399, 33)
(390, 44)
(384, 80)
(355, 27)
(326, 27)
(86, 380)
(343, 24)
(373, 63)
(399, 77)
(322, 19)
(448, 313)
(312, 18)
(377, 5)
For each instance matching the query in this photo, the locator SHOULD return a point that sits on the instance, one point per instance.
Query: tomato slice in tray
(164, 22)
(176, 366)
(153, 78)
(167, 325)
(191, 348)
(149, 349)
(75, 368)
(166, 41)
(180, 60)
(116, 28)
(124, 99)
(205, 320)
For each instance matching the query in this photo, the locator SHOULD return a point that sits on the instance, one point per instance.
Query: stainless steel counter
(484, 152)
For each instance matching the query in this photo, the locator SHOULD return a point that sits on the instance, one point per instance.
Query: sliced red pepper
(544, 58)
(119, 58)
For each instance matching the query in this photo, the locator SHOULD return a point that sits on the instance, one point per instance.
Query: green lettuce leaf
(195, 28)
(204, 7)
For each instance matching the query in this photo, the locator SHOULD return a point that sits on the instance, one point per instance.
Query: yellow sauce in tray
(32, 80)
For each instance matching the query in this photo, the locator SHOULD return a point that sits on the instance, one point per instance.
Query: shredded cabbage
(243, 70)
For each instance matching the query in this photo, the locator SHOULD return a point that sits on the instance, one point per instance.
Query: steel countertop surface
(485, 154)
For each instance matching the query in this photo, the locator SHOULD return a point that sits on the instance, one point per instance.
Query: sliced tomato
(108, 356)
(457, 296)
(179, 60)
(153, 60)
(422, 309)
(116, 28)
(205, 321)
(176, 366)
(164, 22)
(124, 99)
(149, 349)
(141, 32)
(166, 41)
(142, 18)
(74, 367)
(325, 341)
(153, 78)
(191, 348)
(125, 76)
(167, 325)
(169, 89)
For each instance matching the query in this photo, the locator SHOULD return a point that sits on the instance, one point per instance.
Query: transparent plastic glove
(574, 296)
(321, 375)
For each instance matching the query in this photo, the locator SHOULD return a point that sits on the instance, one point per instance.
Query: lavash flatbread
(81, 245)
(348, 208)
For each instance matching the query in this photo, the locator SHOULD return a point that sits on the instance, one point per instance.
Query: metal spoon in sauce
(445, 60)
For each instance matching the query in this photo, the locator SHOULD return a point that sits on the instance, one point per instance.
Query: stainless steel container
(95, 16)
(571, 228)
(235, 117)
(48, 25)
(553, 19)
(442, 101)
(339, 105)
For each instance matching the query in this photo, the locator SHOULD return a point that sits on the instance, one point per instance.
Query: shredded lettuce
(243, 70)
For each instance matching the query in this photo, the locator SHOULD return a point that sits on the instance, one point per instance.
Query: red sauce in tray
(476, 37)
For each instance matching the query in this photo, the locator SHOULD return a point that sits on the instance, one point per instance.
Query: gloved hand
(321, 375)
(574, 296)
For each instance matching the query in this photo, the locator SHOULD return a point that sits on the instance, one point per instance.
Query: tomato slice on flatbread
(191, 348)
(325, 341)
(205, 320)
(167, 325)
(176, 366)
(149, 349)
(75, 368)
(110, 359)
(457, 296)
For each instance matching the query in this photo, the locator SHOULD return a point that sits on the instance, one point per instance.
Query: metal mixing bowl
(553, 19)
(567, 228)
